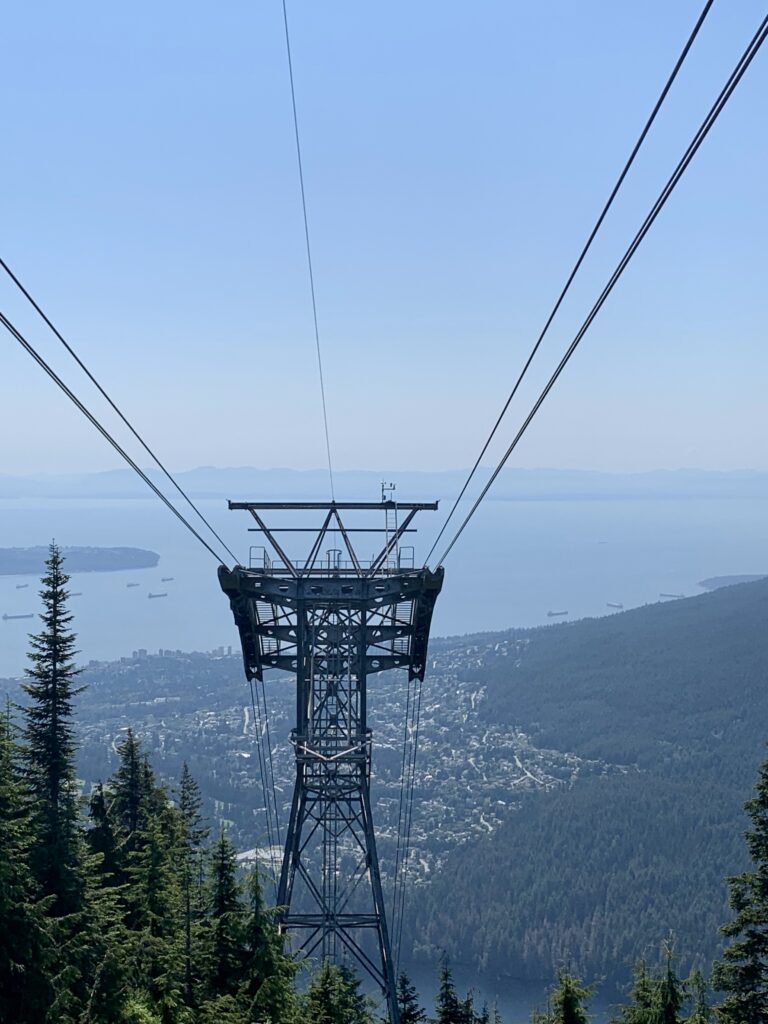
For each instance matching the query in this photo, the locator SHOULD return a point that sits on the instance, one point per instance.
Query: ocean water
(516, 562)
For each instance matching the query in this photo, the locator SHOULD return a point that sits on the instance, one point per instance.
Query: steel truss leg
(327, 808)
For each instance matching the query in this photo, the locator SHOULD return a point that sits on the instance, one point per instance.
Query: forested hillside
(598, 873)
(579, 788)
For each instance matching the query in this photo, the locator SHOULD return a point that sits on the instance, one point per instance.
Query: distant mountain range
(247, 482)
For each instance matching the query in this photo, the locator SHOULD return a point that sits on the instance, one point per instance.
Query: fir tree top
(49, 742)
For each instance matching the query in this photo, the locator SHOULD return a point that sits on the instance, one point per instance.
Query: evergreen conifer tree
(128, 789)
(105, 960)
(155, 913)
(49, 748)
(467, 1008)
(641, 1008)
(269, 971)
(194, 834)
(321, 1002)
(355, 1004)
(540, 1017)
(656, 997)
(24, 986)
(411, 1012)
(334, 997)
(569, 1000)
(58, 852)
(102, 839)
(742, 973)
(670, 990)
(448, 1007)
(701, 1012)
(226, 921)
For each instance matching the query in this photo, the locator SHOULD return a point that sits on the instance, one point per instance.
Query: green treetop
(269, 971)
(411, 1011)
(194, 834)
(334, 997)
(24, 986)
(448, 1007)
(742, 973)
(226, 920)
(49, 745)
(569, 1000)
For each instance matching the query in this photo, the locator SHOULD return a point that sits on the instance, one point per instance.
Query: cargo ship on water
(152, 596)
(8, 618)
(555, 615)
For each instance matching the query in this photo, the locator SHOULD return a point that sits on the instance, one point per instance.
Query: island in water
(31, 561)
(715, 582)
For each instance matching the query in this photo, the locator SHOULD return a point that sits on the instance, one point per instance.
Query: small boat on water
(618, 607)
(133, 584)
(151, 596)
(22, 586)
(7, 618)
(555, 615)
(167, 579)
(672, 595)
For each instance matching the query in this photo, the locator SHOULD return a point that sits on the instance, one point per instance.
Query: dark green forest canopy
(594, 875)
(650, 686)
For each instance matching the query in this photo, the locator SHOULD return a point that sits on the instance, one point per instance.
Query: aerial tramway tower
(332, 619)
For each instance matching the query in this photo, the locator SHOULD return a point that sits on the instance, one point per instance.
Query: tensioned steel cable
(407, 733)
(271, 762)
(735, 77)
(577, 264)
(119, 412)
(102, 430)
(309, 248)
(257, 729)
(409, 821)
(406, 795)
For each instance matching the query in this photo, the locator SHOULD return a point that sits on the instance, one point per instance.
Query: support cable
(309, 247)
(407, 733)
(271, 763)
(409, 822)
(257, 728)
(577, 264)
(4, 266)
(715, 111)
(102, 430)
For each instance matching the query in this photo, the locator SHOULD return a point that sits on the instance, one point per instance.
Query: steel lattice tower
(332, 620)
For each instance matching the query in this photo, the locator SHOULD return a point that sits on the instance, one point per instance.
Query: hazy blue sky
(455, 157)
